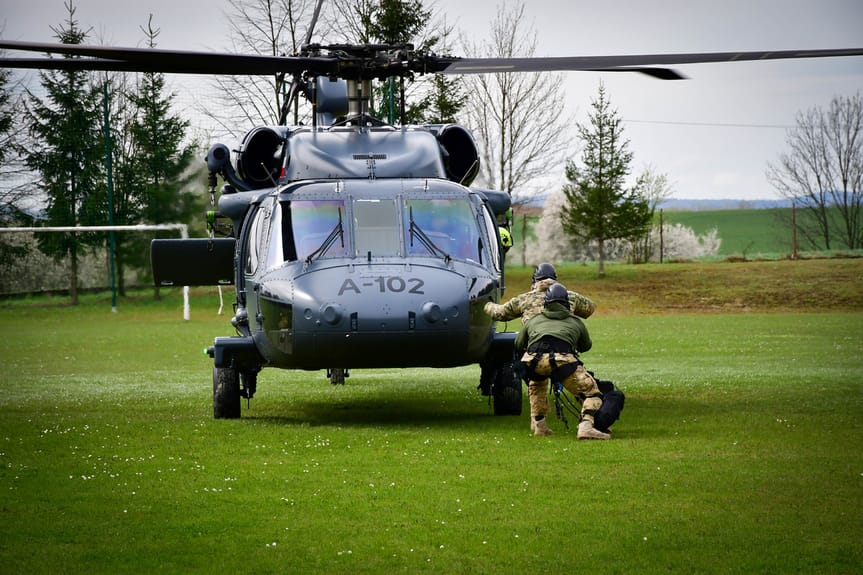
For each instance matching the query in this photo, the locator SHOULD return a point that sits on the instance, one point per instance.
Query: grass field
(738, 450)
(744, 233)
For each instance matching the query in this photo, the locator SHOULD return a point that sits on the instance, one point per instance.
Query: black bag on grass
(612, 405)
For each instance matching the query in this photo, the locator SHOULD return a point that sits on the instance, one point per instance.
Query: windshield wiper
(425, 240)
(337, 232)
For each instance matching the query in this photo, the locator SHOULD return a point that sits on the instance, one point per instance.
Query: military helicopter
(353, 243)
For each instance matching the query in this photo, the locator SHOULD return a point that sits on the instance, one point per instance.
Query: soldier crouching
(552, 341)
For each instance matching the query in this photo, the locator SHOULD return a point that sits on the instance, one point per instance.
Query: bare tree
(517, 118)
(349, 20)
(267, 27)
(653, 188)
(823, 173)
(15, 185)
(429, 99)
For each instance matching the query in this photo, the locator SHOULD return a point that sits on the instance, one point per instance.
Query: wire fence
(24, 269)
(30, 270)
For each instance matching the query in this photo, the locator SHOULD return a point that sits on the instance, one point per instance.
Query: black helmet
(544, 271)
(557, 293)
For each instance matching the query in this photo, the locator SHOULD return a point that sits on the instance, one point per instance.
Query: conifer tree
(161, 156)
(67, 152)
(598, 207)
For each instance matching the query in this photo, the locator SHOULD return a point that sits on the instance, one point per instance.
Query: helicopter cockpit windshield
(376, 227)
(362, 227)
(443, 227)
(313, 229)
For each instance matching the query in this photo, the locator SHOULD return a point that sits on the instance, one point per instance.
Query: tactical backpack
(612, 405)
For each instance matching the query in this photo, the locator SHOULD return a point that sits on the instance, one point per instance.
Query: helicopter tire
(507, 392)
(226, 393)
(337, 375)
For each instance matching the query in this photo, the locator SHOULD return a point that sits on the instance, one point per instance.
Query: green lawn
(738, 452)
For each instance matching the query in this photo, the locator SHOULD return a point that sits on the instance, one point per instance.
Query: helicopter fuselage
(352, 247)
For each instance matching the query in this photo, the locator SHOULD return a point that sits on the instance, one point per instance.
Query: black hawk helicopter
(353, 243)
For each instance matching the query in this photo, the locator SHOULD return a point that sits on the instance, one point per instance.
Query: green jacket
(556, 321)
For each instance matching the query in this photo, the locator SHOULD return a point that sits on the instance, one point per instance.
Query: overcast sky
(712, 134)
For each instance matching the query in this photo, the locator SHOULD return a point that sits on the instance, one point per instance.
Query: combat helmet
(544, 271)
(505, 239)
(557, 293)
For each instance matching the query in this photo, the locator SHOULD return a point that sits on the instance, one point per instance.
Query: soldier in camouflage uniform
(529, 304)
(551, 342)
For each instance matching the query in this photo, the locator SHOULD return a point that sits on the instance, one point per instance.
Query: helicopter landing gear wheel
(506, 391)
(226, 393)
(337, 375)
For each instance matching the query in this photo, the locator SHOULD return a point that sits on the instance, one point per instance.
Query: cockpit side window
(255, 240)
(448, 223)
(491, 233)
(275, 252)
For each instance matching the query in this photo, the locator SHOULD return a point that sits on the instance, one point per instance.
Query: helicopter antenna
(469, 171)
(294, 88)
(402, 100)
(269, 175)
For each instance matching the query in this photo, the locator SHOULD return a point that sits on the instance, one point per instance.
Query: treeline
(101, 149)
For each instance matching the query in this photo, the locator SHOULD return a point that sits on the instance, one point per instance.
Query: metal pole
(794, 254)
(392, 103)
(661, 237)
(108, 168)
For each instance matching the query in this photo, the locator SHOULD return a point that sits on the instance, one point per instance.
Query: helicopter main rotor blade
(370, 61)
(157, 60)
(629, 63)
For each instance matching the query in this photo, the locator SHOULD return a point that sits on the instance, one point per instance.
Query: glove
(488, 307)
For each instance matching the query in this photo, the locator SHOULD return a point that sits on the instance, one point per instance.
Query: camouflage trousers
(578, 382)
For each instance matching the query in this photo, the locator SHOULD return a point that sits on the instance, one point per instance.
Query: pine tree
(159, 162)
(10, 214)
(67, 152)
(395, 21)
(445, 96)
(598, 207)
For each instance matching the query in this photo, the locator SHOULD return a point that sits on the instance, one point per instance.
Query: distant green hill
(750, 233)
(743, 232)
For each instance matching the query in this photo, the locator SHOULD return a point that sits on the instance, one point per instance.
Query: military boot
(540, 427)
(586, 431)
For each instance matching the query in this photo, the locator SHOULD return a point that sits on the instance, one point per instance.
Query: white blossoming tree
(552, 244)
